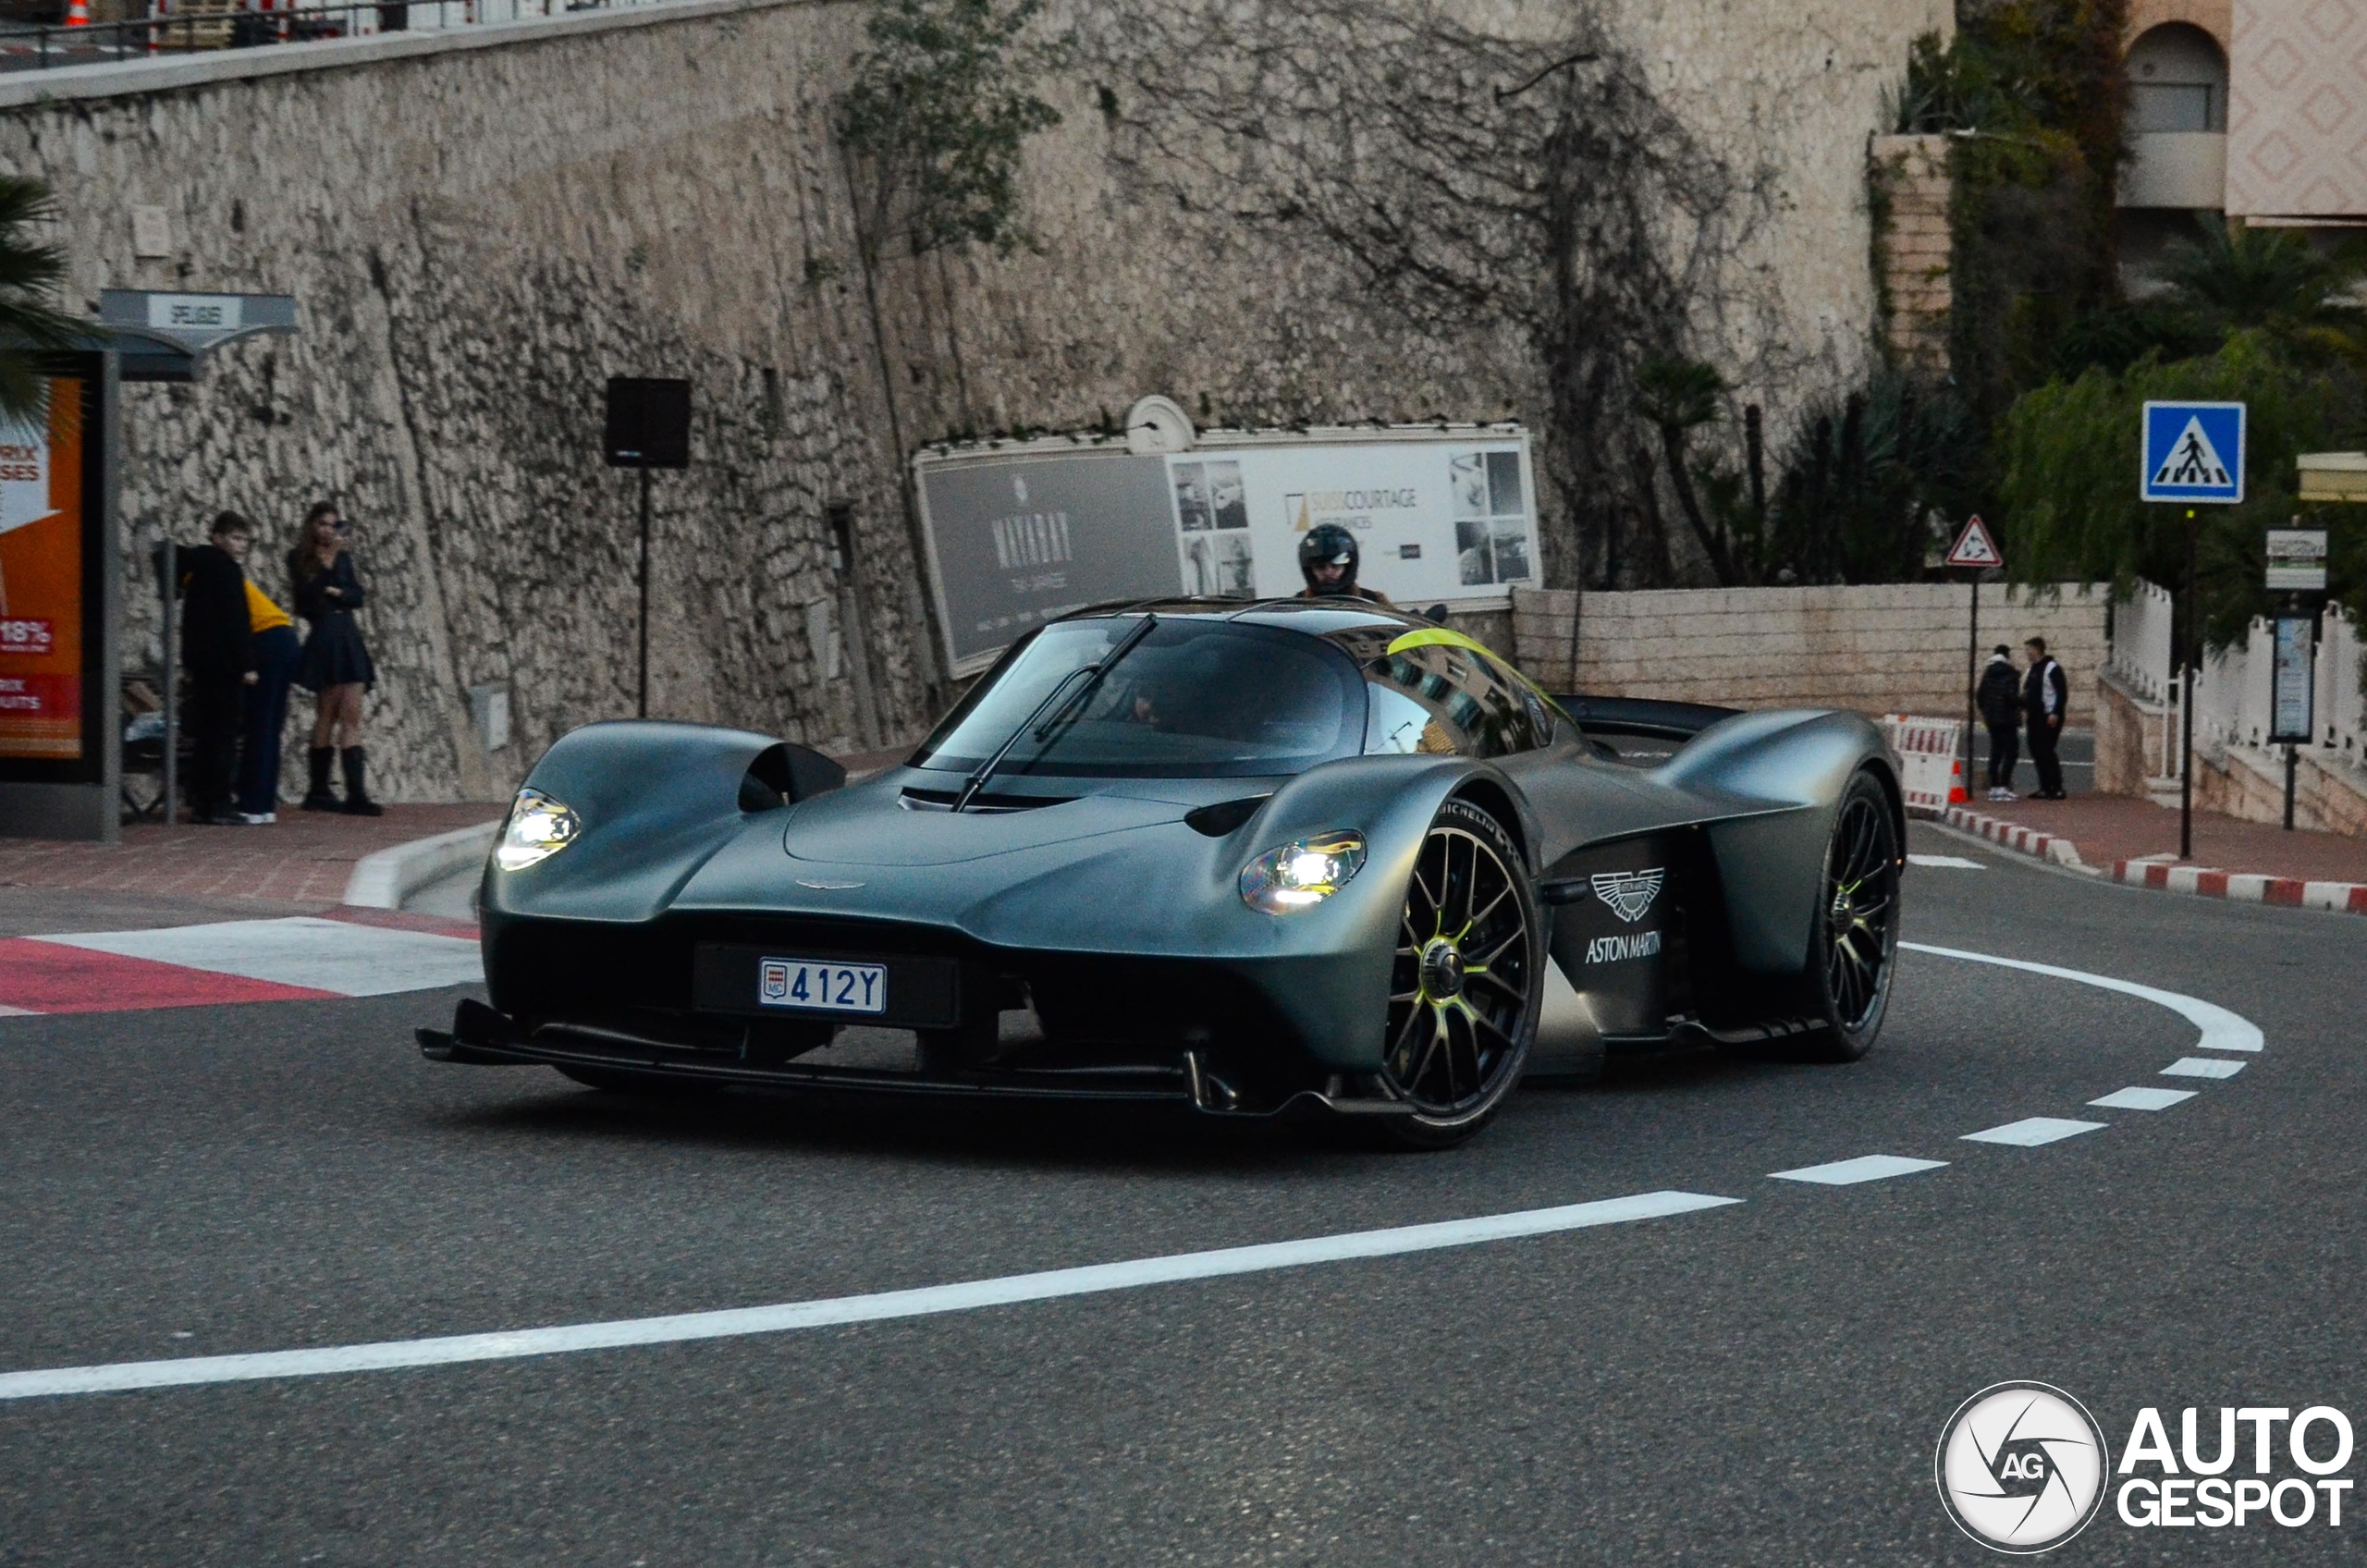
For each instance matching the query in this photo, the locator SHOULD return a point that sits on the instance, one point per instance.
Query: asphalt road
(1757, 1383)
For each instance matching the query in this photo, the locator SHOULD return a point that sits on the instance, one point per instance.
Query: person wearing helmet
(1326, 559)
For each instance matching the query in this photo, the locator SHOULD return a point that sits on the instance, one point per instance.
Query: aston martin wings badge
(1629, 893)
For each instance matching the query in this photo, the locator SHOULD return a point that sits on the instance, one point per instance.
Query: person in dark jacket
(336, 662)
(2046, 697)
(218, 650)
(276, 655)
(1999, 697)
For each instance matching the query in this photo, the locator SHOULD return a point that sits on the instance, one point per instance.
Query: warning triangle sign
(2192, 461)
(1974, 548)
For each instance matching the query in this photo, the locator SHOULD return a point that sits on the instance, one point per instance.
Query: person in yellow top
(276, 653)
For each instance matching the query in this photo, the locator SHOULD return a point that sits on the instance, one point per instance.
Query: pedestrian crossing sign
(2193, 452)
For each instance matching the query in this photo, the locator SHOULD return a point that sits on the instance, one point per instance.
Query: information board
(2293, 680)
(48, 639)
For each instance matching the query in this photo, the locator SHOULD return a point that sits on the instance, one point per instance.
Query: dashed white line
(1864, 1168)
(2032, 1131)
(925, 1301)
(2138, 1097)
(1946, 863)
(2202, 1067)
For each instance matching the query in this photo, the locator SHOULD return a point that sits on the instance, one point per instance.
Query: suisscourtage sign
(1018, 537)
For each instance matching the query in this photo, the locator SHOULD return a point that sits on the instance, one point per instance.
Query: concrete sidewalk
(306, 863)
(302, 861)
(2135, 842)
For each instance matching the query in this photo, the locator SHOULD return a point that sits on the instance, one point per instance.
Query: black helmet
(1328, 543)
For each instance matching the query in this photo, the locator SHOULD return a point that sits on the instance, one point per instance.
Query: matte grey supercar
(1296, 857)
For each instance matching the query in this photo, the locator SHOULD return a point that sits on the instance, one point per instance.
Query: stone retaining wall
(482, 226)
(1882, 648)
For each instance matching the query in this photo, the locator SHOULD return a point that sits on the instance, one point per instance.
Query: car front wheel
(1464, 991)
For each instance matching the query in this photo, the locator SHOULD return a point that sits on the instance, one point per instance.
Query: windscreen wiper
(1073, 689)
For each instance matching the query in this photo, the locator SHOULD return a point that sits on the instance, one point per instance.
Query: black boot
(318, 798)
(357, 800)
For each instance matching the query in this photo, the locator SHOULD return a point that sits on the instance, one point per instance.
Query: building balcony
(2175, 168)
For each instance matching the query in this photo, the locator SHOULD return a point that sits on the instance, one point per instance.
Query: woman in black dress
(336, 662)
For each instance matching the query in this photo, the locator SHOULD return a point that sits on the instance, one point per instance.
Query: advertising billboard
(1434, 521)
(1018, 537)
(48, 633)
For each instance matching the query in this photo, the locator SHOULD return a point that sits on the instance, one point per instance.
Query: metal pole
(172, 680)
(644, 591)
(2194, 642)
(2291, 761)
(1972, 684)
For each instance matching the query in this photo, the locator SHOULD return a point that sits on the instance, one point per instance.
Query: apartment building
(2247, 109)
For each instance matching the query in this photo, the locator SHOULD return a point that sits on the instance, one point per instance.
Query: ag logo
(1629, 893)
(2021, 1467)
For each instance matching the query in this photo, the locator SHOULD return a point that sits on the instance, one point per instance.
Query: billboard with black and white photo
(1018, 537)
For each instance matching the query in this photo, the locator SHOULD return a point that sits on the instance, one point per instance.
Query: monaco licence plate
(822, 985)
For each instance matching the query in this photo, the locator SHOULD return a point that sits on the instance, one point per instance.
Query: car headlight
(538, 828)
(1304, 872)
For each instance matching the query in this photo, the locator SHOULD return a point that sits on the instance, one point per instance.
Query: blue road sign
(2193, 452)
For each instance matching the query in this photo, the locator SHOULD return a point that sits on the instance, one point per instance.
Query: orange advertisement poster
(40, 582)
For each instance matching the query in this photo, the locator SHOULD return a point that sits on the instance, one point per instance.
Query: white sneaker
(258, 818)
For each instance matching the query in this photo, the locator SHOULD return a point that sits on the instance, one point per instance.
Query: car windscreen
(1194, 699)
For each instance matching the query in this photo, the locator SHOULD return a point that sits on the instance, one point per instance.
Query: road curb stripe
(927, 1300)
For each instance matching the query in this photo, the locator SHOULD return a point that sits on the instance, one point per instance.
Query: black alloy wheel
(1855, 944)
(1465, 989)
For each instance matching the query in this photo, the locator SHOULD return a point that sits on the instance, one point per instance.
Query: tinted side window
(1445, 701)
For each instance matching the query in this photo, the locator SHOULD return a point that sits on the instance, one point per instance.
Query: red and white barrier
(1931, 760)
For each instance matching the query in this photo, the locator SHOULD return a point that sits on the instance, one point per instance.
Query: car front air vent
(942, 800)
(1218, 820)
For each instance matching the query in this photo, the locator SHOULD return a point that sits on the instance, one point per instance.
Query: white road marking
(1953, 863)
(7, 1011)
(322, 955)
(924, 1302)
(2138, 1097)
(2032, 1131)
(2222, 1030)
(1864, 1168)
(2202, 1067)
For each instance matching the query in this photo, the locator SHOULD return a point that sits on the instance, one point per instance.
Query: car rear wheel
(1464, 991)
(1852, 950)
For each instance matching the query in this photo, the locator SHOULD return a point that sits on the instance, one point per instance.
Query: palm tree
(31, 271)
(2235, 279)
(1675, 397)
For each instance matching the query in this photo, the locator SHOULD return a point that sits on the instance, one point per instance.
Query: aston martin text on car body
(1294, 856)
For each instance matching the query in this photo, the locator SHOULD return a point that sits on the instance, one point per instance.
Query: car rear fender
(1793, 766)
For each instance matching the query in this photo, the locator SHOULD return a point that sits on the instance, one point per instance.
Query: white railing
(2342, 705)
(2233, 700)
(2141, 656)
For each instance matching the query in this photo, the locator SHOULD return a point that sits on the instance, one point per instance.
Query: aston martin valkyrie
(1301, 857)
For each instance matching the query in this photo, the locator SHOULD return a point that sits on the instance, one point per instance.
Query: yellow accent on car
(1447, 637)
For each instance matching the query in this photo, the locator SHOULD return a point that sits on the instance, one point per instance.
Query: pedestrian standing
(277, 651)
(217, 649)
(2046, 695)
(1999, 698)
(336, 662)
